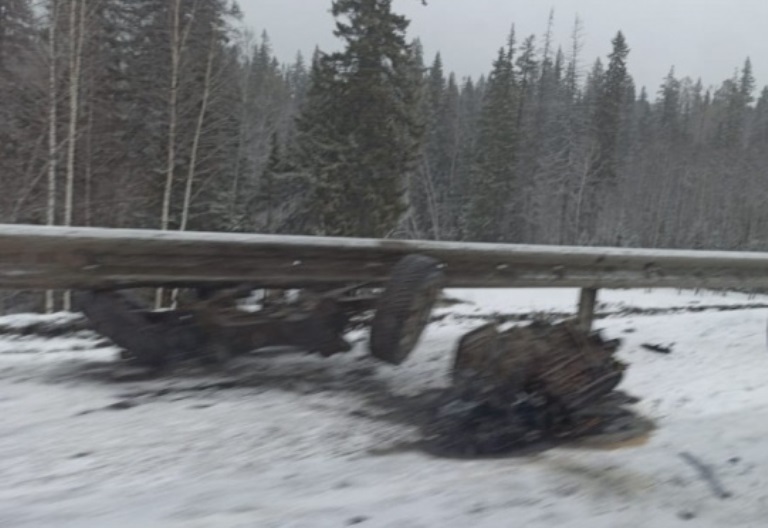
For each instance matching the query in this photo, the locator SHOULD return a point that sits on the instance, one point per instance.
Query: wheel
(402, 311)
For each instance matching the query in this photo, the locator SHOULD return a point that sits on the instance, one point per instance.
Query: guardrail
(41, 257)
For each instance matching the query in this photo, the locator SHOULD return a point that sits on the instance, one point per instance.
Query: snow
(24, 320)
(525, 300)
(300, 441)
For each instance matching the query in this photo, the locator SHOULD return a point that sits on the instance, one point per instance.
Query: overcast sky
(701, 38)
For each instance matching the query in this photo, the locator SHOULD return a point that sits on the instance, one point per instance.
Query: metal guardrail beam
(40, 257)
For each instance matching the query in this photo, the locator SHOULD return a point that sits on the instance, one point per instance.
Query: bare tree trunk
(432, 205)
(581, 194)
(178, 38)
(76, 37)
(52, 137)
(88, 191)
(173, 97)
(76, 30)
(186, 205)
(198, 132)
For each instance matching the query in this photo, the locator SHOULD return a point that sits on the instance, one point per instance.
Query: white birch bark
(76, 39)
(52, 136)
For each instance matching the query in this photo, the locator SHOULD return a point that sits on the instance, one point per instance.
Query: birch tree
(77, 27)
(53, 142)
(177, 38)
(207, 82)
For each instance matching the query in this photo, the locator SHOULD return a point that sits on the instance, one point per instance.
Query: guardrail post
(586, 315)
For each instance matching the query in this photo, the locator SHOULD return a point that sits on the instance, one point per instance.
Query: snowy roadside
(481, 301)
(299, 441)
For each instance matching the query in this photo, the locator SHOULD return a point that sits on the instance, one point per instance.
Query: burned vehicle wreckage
(547, 381)
(211, 327)
(509, 389)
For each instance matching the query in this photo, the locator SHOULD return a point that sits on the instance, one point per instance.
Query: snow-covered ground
(526, 300)
(299, 441)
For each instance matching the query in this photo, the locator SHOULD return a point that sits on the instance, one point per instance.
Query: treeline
(168, 114)
(137, 113)
(540, 152)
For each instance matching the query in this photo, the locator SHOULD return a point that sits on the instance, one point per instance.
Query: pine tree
(669, 105)
(609, 111)
(469, 102)
(22, 116)
(322, 149)
(268, 97)
(527, 72)
(605, 99)
(759, 136)
(297, 79)
(736, 95)
(366, 99)
(433, 180)
(494, 203)
(457, 140)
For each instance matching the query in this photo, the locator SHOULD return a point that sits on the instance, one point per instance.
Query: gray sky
(701, 38)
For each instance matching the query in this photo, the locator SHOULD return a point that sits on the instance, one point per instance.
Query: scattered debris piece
(117, 406)
(661, 349)
(529, 385)
(121, 405)
(707, 473)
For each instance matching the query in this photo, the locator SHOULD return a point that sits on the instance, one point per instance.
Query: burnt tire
(403, 310)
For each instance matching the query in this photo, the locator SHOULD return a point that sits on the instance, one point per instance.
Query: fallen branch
(706, 473)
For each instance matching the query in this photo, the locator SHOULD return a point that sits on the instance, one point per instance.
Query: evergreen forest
(171, 114)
